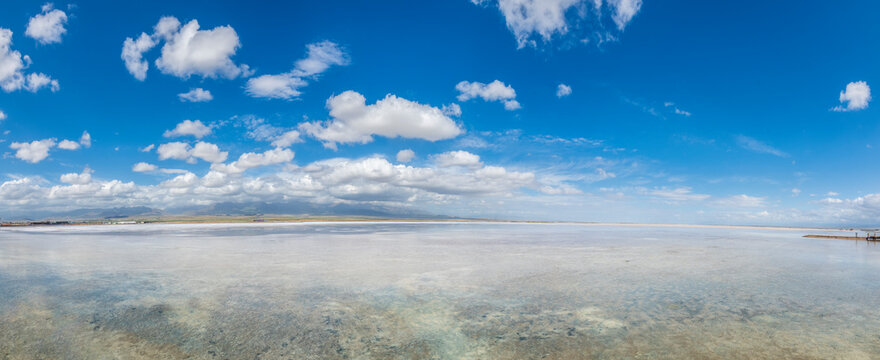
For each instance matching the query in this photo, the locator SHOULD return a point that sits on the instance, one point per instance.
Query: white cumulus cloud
(37, 81)
(68, 145)
(196, 95)
(512, 105)
(563, 90)
(377, 178)
(533, 20)
(189, 127)
(208, 152)
(143, 167)
(34, 151)
(457, 158)
(494, 91)
(182, 151)
(353, 121)
(544, 18)
(90, 192)
(856, 96)
(830, 201)
(405, 155)
(84, 177)
(187, 51)
(365, 181)
(181, 181)
(281, 86)
(12, 66)
(287, 138)
(174, 150)
(48, 26)
(207, 53)
(252, 160)
(133, 55)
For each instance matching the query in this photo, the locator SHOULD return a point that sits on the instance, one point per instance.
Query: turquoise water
(434, 291)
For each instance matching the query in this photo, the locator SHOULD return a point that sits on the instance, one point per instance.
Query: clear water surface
(434, 291)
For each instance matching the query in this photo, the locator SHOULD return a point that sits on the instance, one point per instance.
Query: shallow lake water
(434, 291)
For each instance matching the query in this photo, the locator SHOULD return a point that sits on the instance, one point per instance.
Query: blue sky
(680, 111)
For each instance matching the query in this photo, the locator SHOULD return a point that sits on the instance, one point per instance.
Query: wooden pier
(867, 237)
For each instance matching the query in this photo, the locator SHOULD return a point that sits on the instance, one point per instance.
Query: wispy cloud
(741, 201)
(658, 111)
(645, 108)
(321, 56)
(676, 109)
(679, 194)
(692, 140)
(754, 145)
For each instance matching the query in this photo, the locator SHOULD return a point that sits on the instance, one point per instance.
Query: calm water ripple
(434, 291)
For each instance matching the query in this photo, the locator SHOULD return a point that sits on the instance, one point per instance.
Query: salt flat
(434, 290)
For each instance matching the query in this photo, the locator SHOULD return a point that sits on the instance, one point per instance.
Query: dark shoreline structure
(867, 237)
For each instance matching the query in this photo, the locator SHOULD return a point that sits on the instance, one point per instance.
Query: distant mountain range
(84, 214)
(225, 209)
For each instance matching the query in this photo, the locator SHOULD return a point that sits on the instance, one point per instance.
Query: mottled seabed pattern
(434, 291)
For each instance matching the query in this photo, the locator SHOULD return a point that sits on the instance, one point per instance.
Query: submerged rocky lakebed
(434, 291)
